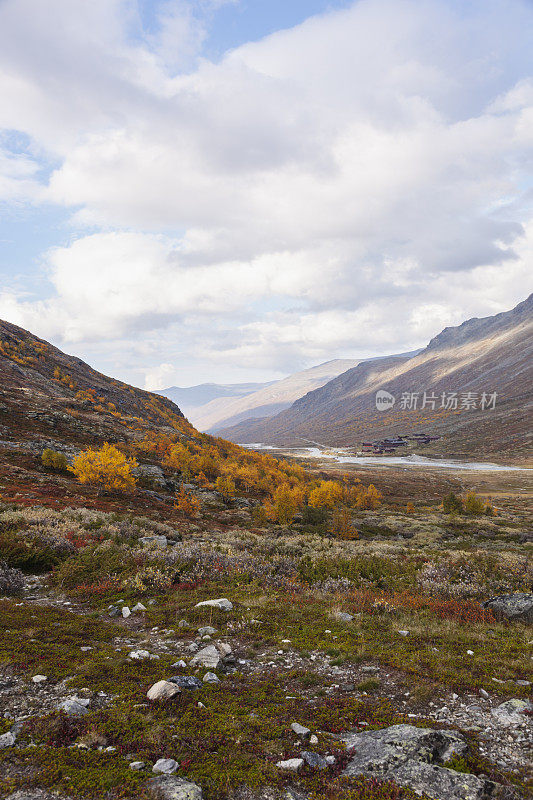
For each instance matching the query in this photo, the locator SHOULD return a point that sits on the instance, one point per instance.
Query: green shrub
(53, 460)
(452, 504)
(473, 505)
(91, 565)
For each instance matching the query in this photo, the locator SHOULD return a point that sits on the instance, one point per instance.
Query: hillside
(191, 399)
(493, 354)
(270, 399)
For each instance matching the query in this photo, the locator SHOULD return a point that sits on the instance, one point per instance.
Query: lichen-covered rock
(416, 758)
(512, 712)
(165, 765)
(512, 606)
(7, 740)
(173, 788)
(11, 580)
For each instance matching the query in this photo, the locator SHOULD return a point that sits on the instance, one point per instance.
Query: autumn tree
(285, 504)
(107, 468)
(225, 485)
(186, 503)
(326, 495)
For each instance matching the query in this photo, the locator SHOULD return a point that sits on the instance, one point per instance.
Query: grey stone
(300, 731)
(207, 630)
(165, 765)
(210, 677)
(173, 788)
(512, 606)
(187, 682)
(512, 712)
(291, 764)
(73, 707)
(415, 757)
(137, 765)
(208, 657)
(222, 602)
(7, 740)
(314, 760)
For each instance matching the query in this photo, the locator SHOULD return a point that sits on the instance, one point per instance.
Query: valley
(187, 619)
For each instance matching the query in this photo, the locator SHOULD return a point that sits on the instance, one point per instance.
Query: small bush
(51, 459)
(473, 505)
(452, 504)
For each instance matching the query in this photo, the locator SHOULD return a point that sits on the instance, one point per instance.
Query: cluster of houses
(391, 445)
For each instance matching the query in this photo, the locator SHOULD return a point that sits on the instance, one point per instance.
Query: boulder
(314, 760)
(165, 765)
(208, 657)
(187, 682)
(173, 788)
(512, 712)
(415, 758)
(162, 691)
(515, 607)
(300, 731)
(7, 740)
(210, 677)
(222, 603)
(74, 707)
(291, 764)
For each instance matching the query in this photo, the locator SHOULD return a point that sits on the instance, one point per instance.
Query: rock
(187, 682)
(208, 657)
(7, 740)
(314, 760)
(484, 694)
(291, 765)
(156, 541)
(39, 678)
(139, 655)
(313, 739)
(342, 616)
(183, 623)
(207, 630)
(114, 611)
(165, 765)
(403, 633)
(126, 612)
(210, 677)
(162, 691)
(222, 602)
(137, 765)
(181, 663)
(74, 707)
(173, 788)
(414, 757)
(300, 731)
(512, 606)
(138, 608)
(330, 761)
(512, 712)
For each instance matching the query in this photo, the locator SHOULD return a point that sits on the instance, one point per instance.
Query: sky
(233, 190)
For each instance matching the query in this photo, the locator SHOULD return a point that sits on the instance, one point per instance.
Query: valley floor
(342, 637)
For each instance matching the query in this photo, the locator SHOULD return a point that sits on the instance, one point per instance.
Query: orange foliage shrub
(106, 468)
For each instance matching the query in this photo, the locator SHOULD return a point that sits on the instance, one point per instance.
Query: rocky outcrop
(515, 607)
(416, 758)
(173, 788)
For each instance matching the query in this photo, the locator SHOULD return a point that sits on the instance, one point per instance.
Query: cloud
(343, 187)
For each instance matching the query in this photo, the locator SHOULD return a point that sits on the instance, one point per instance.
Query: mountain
(268, 400)
(492, 354)
(191, 398)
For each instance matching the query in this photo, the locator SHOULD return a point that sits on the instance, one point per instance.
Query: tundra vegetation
(165, 594)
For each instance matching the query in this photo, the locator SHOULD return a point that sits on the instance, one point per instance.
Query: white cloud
(343, 187)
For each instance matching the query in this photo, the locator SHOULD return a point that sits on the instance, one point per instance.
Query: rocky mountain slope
(489, 355)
